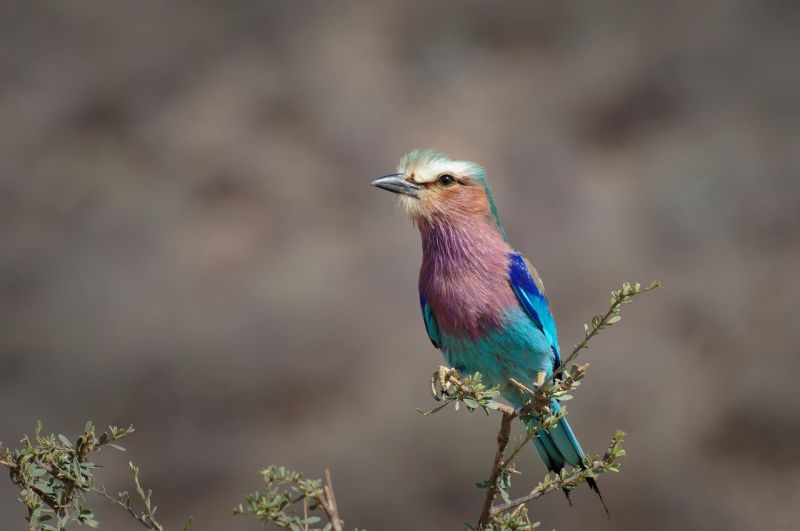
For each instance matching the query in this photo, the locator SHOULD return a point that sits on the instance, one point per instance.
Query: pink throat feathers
(464, 273)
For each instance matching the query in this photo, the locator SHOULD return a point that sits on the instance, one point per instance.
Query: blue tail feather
(559, 447)
(566, 443)
(558, 444)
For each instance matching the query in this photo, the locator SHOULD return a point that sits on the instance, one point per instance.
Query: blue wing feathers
(532, 298)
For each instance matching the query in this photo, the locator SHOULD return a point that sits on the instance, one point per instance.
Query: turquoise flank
(518, 350)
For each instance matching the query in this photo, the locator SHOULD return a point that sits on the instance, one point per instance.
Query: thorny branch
(139, 517)
(494, 486)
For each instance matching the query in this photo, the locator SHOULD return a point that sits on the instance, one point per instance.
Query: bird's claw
(440, 381)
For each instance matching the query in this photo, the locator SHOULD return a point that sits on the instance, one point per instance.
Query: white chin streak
(412, 207)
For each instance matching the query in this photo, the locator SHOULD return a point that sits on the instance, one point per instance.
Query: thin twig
(436, 409)
(521, 386)
(609, 461)
(102, 492)
(577, 476)
(148, 513)
(582, 345)
(507, 461)
(491, 493)
(612, 310)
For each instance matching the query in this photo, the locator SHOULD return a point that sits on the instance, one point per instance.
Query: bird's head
(432, 186)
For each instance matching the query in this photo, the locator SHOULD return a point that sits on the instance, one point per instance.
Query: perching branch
(494, 487)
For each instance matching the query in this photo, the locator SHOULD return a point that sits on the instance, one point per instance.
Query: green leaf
(470, 403)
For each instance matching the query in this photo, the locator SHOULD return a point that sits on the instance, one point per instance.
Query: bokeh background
(189, 243)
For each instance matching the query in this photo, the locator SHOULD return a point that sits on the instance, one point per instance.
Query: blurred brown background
(189, 243)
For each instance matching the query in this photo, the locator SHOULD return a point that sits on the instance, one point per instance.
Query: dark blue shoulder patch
(533, 301)
(524, 287)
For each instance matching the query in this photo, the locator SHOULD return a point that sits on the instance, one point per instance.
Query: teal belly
(518, 350)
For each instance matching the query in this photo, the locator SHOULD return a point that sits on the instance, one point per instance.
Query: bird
(483, 303)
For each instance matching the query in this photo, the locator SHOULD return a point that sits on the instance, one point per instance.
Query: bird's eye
(446, 179)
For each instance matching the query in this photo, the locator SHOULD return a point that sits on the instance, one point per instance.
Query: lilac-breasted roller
(483, 304)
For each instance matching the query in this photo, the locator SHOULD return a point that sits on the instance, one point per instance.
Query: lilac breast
(464, 276)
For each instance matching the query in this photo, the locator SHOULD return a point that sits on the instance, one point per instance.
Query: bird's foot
(441, 381)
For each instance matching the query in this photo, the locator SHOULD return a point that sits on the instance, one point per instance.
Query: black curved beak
(394, 182)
